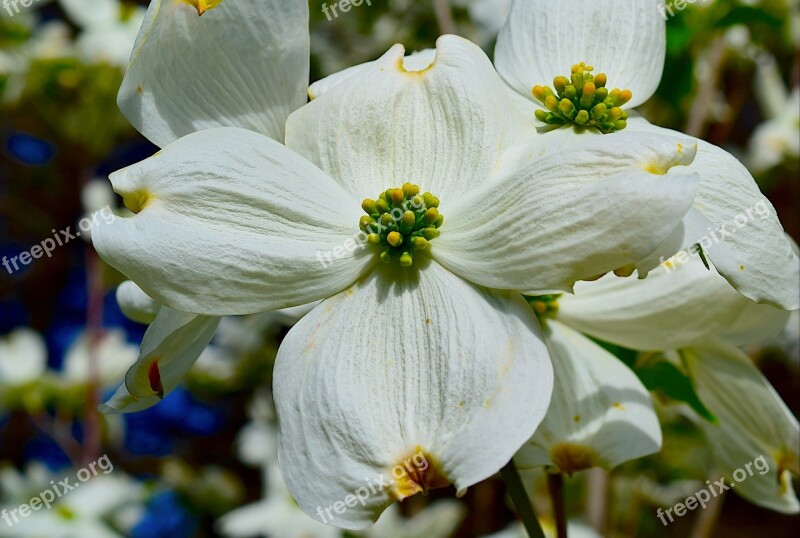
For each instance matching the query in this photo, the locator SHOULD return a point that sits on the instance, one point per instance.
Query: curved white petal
(243, 64)
(748, 245)
(673, 307)
(626, 39)
(443, 128)
(600, 415)
(231, 222)
(416, 61)
(567, 216)
(170, 347)
(403, 365)
(136, 304)
(753, 424)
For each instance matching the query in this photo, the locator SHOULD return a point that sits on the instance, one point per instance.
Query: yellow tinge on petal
(137, 200)
(416, 473)
(571, 458)
(203, 5)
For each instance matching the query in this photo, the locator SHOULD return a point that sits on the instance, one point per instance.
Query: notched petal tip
(683, 155)
(417, 473)
(203, 5)
(571, 458)
(154, 377)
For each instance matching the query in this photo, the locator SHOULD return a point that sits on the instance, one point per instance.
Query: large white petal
(569, 215)
(444, 127)
(626, 39)
(673, 307)
(747, 244)
(600, 416)
(753, 422)
(244, 63)
(170, 347)
(402, 364)
(231, 222)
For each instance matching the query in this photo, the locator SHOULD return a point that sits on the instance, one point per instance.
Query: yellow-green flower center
(545, 306)
(401, 222)
(583, 99)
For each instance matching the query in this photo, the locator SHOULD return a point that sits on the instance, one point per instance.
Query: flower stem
(521, 501)
(555, 485)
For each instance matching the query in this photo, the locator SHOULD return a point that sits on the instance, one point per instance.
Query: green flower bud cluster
(545, 306)
(401, 222)
(583, 99)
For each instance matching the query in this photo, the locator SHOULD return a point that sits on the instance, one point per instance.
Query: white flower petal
(748, 246)
(567, 216)
(170, 347)
(673, 307)
(136, 304)
(406, 365)
(626, 39)
(243, 64)
(416, 61)
(443, 128)
(233, 223)
(753, 422)
(600, 415)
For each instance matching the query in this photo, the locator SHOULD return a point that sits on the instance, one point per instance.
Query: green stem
(555, 485)
(521, 501)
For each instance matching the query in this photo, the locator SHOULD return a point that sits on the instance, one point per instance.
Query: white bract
(693, 313)
(625, 40)
(443, 358)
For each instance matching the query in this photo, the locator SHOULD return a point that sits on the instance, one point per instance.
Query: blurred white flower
(23, 358)
(48, 41)
(113, 353)
(84, 512)
(108, 29)
(778, 138)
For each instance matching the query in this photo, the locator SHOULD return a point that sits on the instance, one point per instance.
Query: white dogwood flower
(623, 44)
(432, 353)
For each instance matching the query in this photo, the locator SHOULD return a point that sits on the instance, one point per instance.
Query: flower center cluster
(401, 222)
(545, 306)
(584, 100)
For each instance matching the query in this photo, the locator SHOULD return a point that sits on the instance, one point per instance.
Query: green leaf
(667, 378)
